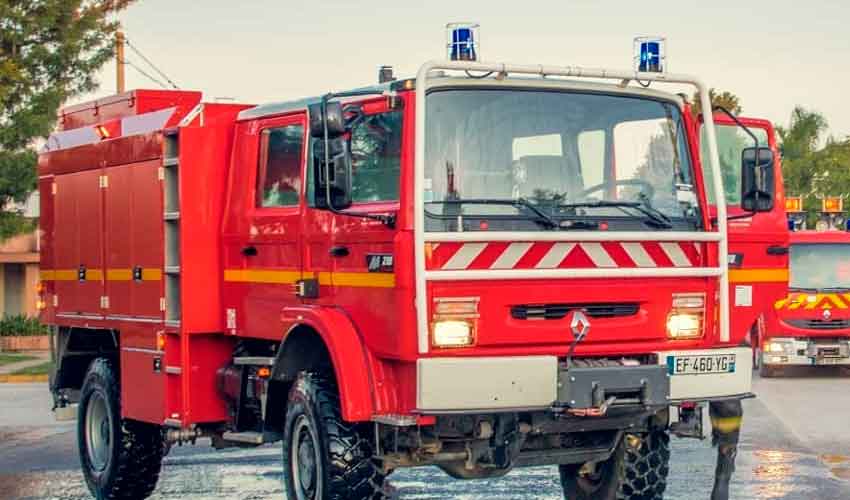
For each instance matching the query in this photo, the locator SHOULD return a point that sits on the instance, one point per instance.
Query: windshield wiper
(653, 216)
(835, 289)
(541, 217)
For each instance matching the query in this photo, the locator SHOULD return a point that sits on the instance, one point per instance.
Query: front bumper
(809, 352)
(482, 384)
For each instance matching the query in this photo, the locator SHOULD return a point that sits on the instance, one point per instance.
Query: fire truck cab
(484, 267)
(811, 326)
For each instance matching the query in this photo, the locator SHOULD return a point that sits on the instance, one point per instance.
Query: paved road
(796, 445)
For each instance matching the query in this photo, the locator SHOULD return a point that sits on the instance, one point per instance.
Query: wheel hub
(98, 436)
(305, 461)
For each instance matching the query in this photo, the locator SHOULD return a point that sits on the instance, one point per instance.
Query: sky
(773, 54)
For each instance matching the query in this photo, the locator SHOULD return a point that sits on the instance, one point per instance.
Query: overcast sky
(773, 54)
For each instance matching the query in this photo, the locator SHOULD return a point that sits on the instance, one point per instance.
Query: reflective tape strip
(464, 256)
(638, 254)
(598, 255)
(511, 256)
(726, 425)
(758, 275)
(555, 255)
(261, 276)
(675, 254)
(280, 277)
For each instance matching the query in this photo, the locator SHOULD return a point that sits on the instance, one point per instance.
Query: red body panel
(131, 103)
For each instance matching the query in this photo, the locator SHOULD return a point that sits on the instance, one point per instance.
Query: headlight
(454, 321)
(684, 326)
(452, 333)
(686, 318)
(777, 346)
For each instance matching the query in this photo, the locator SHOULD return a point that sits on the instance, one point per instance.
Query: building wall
(19, 275)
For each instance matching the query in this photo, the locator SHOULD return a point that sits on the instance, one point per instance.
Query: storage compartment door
(119, 275)
(147, 223)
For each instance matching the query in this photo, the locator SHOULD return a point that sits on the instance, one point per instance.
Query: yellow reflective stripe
(799, 301)
(119, 275)
(148, 274)
(363, 280)
(725, 425)
(758, 275)
(368, 280)
(261, 276)
(836, 300)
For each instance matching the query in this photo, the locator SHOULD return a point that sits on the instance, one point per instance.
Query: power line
(149, 63)
(145, 74)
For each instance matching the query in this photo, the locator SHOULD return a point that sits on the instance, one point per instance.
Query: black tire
(123, 459)
(325, 458)
(647, 465)
(767, 371)
(602, 484)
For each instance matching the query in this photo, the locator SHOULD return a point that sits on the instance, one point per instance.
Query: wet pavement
(795, 445)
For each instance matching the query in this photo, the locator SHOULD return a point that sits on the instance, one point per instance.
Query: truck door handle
(339, 251)
(249, 251)
(777, 250)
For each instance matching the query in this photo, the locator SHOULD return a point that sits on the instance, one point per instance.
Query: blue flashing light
(847, 225)
(792, 225)
(462, 41)
(650, 57)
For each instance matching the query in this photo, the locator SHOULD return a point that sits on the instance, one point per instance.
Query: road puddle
(839, 465)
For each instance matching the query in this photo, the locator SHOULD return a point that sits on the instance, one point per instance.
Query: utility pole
(119, 60)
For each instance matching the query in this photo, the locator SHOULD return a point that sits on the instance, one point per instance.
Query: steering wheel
(646, 188)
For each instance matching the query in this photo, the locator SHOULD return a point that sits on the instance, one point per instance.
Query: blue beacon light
(650, 54)
(462, 41)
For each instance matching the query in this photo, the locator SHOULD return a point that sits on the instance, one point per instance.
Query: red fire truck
(483, 267)
(758, 243)
(811, 326)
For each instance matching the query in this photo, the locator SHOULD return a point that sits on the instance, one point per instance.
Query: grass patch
(8, 359)
(41, 369)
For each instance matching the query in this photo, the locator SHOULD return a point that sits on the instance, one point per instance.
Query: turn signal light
(160, 341)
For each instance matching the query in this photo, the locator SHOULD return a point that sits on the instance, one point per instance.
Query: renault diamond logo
(827, 314)
(579, 325)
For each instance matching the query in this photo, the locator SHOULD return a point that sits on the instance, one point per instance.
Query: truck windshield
(731, 141)
(497, 159)
(821, 266)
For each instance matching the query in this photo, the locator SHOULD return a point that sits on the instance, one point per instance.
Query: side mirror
(757, 179)
(333, 117)
(333, 179)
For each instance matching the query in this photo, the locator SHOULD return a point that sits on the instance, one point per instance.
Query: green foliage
(21, 325)
(725, 99)
(50, 50)
(810, 170)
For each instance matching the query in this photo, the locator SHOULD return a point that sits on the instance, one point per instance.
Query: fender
(348, 354)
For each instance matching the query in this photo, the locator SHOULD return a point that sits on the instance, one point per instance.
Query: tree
(50, 51)
(725, 99)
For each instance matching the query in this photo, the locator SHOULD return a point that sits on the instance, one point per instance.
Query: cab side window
(279, 174)
(376, 157)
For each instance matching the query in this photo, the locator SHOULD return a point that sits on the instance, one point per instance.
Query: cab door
(263, 226)
(758, 243)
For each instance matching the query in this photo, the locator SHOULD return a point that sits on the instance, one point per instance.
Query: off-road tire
(604, 485)
(646, 466)
(346, 467)
(134, 459)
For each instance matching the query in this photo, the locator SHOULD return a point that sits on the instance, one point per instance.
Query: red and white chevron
(561, 255)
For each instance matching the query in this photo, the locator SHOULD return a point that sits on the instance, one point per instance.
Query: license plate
(830, 361)
(701, 364)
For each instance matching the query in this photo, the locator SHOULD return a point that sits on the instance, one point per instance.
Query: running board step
(251, 438)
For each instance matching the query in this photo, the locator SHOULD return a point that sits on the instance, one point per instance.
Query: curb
(22, 379)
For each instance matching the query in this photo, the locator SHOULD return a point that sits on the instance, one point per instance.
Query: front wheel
(647, 466)
(121, 459)
(594, 481)
(323, 456)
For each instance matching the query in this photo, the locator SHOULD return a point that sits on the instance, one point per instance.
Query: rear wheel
(121, 459)
(596, 481)
(323, 456)
(647, 464)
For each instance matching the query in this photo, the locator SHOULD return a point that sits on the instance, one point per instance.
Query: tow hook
(599, 411)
